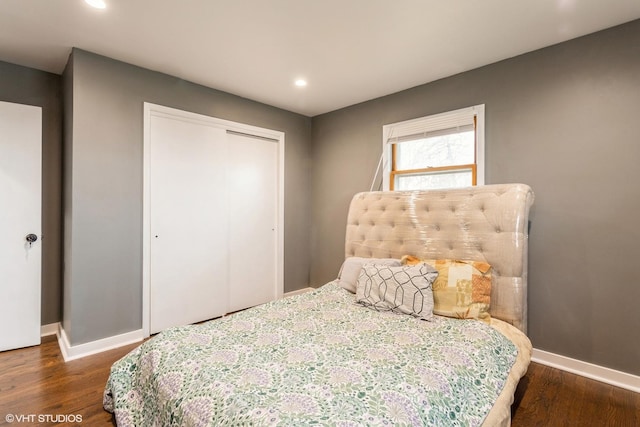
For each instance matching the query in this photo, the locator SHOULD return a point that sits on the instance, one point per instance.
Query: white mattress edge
(500, 413)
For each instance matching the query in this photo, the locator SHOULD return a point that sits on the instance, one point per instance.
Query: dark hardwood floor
(550, 397)
(35, 383)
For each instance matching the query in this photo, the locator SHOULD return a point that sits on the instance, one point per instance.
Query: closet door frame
(151, 110)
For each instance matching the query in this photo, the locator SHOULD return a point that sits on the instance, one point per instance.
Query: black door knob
(31, 238)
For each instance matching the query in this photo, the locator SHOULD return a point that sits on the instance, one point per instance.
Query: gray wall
(67, 192)
(103, 285)
(562, 119)
(23, 85)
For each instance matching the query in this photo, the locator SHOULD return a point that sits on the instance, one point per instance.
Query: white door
(20, 216)
(253, 219)
(188, 248)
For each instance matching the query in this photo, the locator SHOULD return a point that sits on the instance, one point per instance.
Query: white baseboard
(50, 329)
(70, 352)
(298, 292)
(589, 370)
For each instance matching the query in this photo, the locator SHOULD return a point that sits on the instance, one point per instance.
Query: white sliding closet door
(213, 217)
(188, 223)
(253, 219)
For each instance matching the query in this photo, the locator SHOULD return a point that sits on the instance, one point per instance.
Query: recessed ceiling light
(301, 83)
(98, 4)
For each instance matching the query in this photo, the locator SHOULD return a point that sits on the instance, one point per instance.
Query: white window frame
(391, 133)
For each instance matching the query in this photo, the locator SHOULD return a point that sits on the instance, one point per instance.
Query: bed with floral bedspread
(314, 359)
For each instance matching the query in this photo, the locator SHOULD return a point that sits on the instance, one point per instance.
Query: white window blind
(437, 124)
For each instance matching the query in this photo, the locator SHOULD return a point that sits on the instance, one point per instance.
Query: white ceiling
(349, 50)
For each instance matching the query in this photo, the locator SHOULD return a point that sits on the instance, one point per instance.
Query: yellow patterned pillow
(462, 289)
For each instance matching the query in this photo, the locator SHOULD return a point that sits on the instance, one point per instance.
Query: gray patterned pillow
(405, 289)
(350, 270)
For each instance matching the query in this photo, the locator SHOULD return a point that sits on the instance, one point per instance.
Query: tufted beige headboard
(485, 223)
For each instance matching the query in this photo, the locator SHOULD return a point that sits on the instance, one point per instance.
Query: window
(440, 151)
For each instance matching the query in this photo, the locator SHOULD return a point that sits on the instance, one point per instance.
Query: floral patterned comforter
(313, 359)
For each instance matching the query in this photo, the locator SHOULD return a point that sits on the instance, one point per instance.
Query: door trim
(173, 113)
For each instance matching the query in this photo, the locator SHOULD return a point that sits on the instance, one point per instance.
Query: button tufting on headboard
(485, 223)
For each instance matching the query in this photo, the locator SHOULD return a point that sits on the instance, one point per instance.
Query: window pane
(442, 150)
(432, 181)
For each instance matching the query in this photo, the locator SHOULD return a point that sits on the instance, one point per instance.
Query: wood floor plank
(549, 397)
(36, 381)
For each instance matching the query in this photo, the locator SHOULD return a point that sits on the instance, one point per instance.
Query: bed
(334, 357)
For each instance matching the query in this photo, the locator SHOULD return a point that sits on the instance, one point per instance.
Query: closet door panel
(253, 218)
(188, 223)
